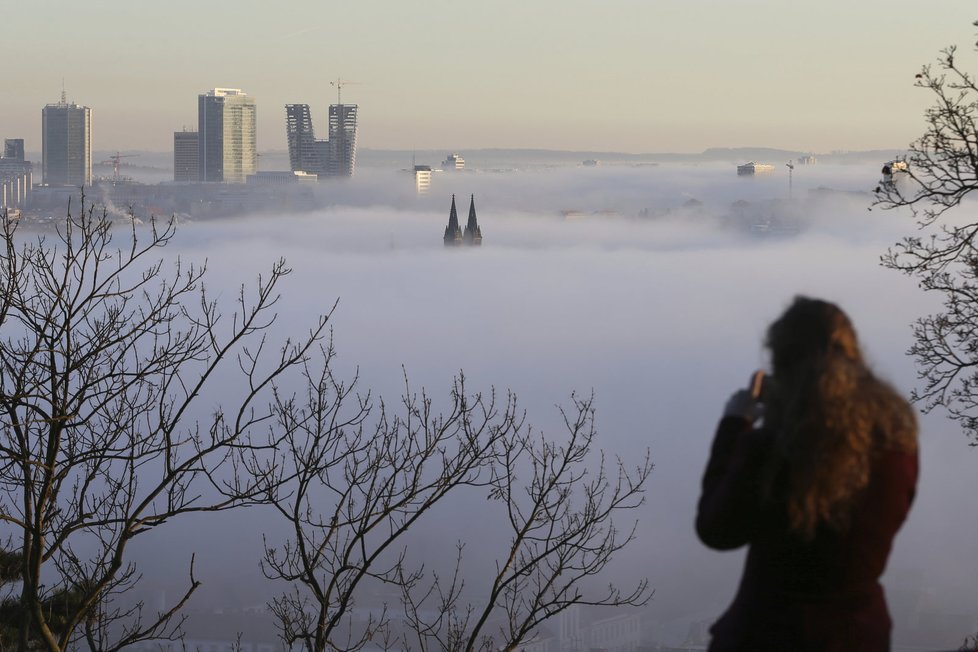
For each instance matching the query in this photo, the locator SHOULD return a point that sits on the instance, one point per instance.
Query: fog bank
(662, 317)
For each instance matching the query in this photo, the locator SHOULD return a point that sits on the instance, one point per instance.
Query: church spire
(473, 235)
(453, 234)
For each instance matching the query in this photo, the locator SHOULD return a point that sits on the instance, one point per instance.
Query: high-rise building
(342, 140)
(226, 136)
(13, 148)
(306, 154)
(334, 157)
(422, 179)
(66, 144)
(185, 168)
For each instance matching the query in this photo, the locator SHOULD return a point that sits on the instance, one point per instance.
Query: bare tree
(941, 171)
(364, 477)
(559, 506)
(105, 352)
(358, 487)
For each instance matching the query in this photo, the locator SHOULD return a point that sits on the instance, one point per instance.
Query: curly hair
(830, 413)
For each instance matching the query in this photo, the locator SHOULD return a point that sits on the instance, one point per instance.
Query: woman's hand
(743, 404)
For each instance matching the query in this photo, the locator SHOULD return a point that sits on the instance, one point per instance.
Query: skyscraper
(66, 144)
(226, 143)
(334, 157)
(185, 168)
(342, 140)
(306, 154)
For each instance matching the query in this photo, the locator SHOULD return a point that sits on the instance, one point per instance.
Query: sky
(617, 75)
(661, 318)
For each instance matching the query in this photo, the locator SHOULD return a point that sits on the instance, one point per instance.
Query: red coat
(822, 594)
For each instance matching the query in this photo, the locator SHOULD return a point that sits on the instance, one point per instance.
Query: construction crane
(115, 161)
(339, 83)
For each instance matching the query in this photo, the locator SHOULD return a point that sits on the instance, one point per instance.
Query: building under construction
(334, 157)
(342, 140)
(306, 154)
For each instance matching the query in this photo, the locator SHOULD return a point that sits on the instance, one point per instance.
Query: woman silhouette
(818, 491)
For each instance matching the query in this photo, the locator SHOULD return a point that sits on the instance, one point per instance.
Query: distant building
(453, 234)
(66, 144)
(621, 633)
(306, 154)
(334, 157)
(185, 145)
(578, 631)
(16, 182)
(754, 168)
(342, 140)
(453, 162)
(808, 159)
(422, 179)
(569, 633)
(278, 177)
(226, 139)
(13, 148)
(894, 172)
(472, 235)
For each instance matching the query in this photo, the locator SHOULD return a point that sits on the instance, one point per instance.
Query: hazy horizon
(620, 76)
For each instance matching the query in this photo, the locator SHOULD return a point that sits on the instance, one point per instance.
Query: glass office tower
(66, 144)
(226, 143)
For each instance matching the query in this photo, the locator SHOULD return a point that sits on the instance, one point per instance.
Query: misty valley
(618, 303)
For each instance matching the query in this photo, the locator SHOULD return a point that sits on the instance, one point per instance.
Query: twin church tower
(453, 234)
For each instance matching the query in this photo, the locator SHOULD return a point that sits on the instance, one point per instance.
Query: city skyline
(622, 76)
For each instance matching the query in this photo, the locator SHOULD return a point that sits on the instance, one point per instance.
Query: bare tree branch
(942, 171)
(359, 478)
(105, 352)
